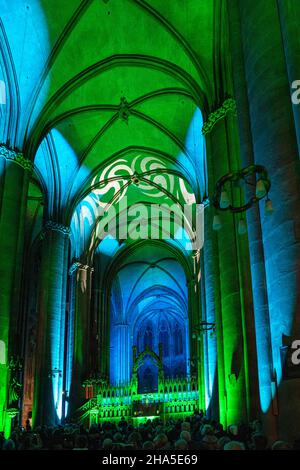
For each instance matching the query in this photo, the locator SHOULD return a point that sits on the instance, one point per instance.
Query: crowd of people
(193, 433)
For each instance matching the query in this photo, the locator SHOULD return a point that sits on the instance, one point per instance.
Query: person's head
(57, 439)
(9, 445)
(159, 429)
(222, 441)
(27, 443)
(130, 428)
(233, 430)
(256, 426)
(118, 437)
(160, 441)
(281, 445)
(15, 436)
(107, 444)
(207, 429)
(37, 441)
(148, 445)
(185, 426)
(186, 436)
(68, 442)
(181, 444)
(259, 441)
(210, 442)
(234, 445)
(135, 439)
(81, 442)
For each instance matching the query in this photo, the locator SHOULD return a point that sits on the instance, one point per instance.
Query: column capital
(50, 225)
(229, 105)
(12, 412)
(16, 157)
(76, 265)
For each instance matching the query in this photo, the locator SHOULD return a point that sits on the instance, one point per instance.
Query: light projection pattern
(114, 183)
(152, 168)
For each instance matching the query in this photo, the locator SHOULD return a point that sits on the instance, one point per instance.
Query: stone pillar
(50, 349)
(211, 303)
(195, 317)
(120, 354)
(100, 307)
(275, 146)
(82, 334)
(14, 178)
(256, 249)
(289, 14)
(221, 151)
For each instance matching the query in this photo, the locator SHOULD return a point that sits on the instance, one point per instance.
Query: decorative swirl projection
(114, 181)
(148, 174)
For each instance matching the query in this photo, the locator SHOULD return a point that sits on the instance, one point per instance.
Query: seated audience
(195, 432)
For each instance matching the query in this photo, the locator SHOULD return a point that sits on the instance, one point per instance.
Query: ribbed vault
(114, 79)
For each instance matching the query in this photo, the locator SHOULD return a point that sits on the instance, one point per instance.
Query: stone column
(254, 221)
(289, 14)
(222, 152)
(50, 349)
(100, 307)
(195, 317)
(211, 304)
(14, 178)
(275, 146)
(82, 334)
(120, 352)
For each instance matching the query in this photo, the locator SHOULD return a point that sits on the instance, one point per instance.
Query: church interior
(150, 212)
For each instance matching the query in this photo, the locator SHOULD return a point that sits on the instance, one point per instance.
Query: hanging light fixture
(224, 201)
(242, 227)
(260, 190)
(217, 223)
(202, 328)
(269, 207)
(239, 180)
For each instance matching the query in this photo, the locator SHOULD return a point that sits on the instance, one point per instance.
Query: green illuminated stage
(175, 397)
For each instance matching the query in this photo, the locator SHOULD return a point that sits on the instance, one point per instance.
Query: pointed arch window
(148, 337)
(178, 341)
(164, 339)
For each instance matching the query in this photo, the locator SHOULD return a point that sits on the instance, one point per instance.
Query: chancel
(149, 223)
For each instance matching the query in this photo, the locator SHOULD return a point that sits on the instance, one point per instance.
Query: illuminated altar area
(166, 397)
(149, 364)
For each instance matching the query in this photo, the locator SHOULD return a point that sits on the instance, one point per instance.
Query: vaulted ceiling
(148, 281)
(108, 89)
